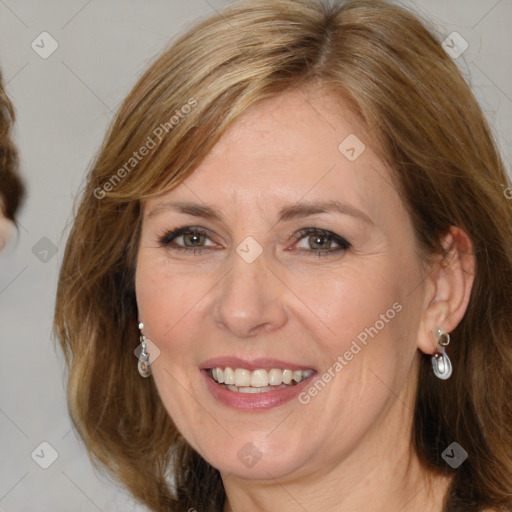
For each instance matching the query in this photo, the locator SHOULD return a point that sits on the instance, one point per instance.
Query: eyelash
(166, 239)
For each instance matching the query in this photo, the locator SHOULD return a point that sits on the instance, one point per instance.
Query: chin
(252, 458)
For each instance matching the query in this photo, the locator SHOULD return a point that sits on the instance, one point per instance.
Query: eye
(193, 239)
(319, 241)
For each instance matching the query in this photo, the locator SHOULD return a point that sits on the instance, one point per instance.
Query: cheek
(164, 299)
(166, 307)
(364, 321)
(344, 302)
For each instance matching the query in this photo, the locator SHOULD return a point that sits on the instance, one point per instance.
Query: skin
(349, 447)
(7, 228)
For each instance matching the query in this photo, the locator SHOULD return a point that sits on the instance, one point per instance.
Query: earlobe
(449, 289)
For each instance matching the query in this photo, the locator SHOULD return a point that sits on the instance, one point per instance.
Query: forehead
(290, 132)
(293, 146)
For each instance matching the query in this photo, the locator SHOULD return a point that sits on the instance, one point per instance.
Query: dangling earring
(440, 360)
(143, 364)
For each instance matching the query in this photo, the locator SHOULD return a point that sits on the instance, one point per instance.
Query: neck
(408, 488)
(383, 473)
(412, 491)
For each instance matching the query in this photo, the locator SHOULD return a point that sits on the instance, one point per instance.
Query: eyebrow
(289, 212)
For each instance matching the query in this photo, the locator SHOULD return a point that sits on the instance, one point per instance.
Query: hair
(390, 67)
(11, 187)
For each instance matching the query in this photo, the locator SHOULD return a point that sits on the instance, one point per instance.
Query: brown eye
(186, 239)
(193, 238)
(320, 242)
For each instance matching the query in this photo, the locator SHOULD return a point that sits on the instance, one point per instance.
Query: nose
(250, 299)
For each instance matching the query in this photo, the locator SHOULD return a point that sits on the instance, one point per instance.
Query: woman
(11, 187)
(298, 213)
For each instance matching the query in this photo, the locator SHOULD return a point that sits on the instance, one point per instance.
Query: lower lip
(253, 401)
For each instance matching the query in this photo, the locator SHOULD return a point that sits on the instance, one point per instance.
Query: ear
(448, 289)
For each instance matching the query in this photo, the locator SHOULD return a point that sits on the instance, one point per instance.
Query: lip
(255, 402)
(254, 364)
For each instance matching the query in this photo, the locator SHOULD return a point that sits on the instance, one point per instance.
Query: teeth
(256, 390)
(242, 377)
(297, 375)
(229, 375)
(245, 381)
(259, 379)
(275, 377)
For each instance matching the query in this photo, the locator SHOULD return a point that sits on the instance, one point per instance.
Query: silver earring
(440, 360)
(143, 364)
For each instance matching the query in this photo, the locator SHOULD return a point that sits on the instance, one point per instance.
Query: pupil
(317, 239)
(193, 237)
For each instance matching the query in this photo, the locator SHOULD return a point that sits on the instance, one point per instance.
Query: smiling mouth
(241, 380)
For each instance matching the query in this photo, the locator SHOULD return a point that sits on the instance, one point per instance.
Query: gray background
(64, 104)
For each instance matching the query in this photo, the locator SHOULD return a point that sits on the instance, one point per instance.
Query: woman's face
(296, 254)
(8, 229)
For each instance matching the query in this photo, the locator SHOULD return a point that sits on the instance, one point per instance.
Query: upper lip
(253, 364)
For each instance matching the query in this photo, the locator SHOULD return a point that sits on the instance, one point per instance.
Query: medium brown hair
(411, 97)
(11, 187)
